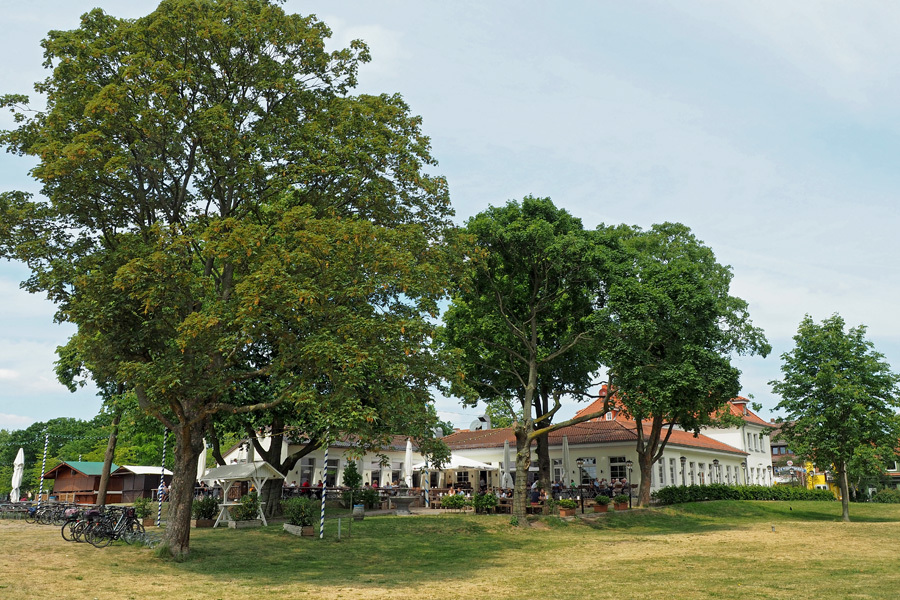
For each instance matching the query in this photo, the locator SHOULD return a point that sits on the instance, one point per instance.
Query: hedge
(718, 491)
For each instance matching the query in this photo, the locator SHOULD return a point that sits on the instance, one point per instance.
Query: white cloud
(8, 421)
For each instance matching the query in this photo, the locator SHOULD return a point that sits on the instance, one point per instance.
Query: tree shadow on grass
(382, 551)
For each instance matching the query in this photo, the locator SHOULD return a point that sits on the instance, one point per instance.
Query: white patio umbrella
(18, 469)
(567, 461)
(407, 464)
(507, 480)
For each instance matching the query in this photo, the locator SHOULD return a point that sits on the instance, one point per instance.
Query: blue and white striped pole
(324, 486)
(427, 487)
(162, 480)
(43, 468)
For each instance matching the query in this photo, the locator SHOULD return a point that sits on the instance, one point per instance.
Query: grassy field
(708, 550)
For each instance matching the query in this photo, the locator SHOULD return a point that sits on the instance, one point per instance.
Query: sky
(769, 128)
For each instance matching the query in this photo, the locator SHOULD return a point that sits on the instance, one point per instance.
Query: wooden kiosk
(257, 473)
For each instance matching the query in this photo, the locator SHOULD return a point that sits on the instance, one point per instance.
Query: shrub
(352, 476)
(887, 496)
(604, 500)
(620, 499)
(142, 508)
(205, 508)
(299, 511)
(567, 503)
(453, 501)
(248, 509)
(717, 491)
(484, 502)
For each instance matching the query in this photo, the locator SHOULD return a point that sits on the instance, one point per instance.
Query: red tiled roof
(736, 407)
(589, 432)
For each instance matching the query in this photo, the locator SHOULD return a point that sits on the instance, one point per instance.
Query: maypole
(162, 480)
(43, 467)
(324, 486)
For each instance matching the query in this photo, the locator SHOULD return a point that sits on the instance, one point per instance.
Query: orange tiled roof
(737, 407)
(589, 432)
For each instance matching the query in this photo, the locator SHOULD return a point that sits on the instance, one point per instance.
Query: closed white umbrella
(407, 465)
(507, 481)
(201, 462)
(567, 462)
(18, 469)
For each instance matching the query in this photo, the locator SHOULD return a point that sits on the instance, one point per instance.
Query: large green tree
(522, 317)
(669, 330)
(219, 210)
(839, 395)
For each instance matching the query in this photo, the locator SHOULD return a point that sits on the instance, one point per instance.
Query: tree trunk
(188, 446)
(845, 493)
(645, 465)
(523, 464)
(107, 459)
(543, 458)
(271, 495)
(542, 407)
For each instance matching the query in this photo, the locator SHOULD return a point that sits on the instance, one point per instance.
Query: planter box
(148, 521)
(245, 524)
(202, 522)
(601, 508)
(622, 506)
(566, 512)
(305, 530)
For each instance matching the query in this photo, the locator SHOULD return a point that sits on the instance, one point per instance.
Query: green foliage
(248, 509)
(484, 502)
(567, 503)
(621, 499)
(142, 508)
(887, 496)
(600, 499)
(456, 501)
(208, 508)
(669, 329)
(839, 396)
(717, 491)
(229, 228)
(352, 477)
(299, 511)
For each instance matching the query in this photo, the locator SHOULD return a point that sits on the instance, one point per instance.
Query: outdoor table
(225, 512)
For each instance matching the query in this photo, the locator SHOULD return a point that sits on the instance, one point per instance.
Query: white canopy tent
(227, 475)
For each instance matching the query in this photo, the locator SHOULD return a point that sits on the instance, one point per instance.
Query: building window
(662, 472)
(617, 468)
(749, 441)
(728, 474)
(307, 465)
(462, 477)
(701, 473)
(331, 472)
(558, 472)
(588, 469)
(693, 474)
(609, 416)
(672, 471)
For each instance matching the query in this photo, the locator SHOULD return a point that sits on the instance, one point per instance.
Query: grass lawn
(722, 549)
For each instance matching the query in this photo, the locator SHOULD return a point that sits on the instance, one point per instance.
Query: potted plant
(143, 511)
(621, 502)
(246, 513)
(567, 507)
(204, 512)
(601, 504)
(299, 513)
